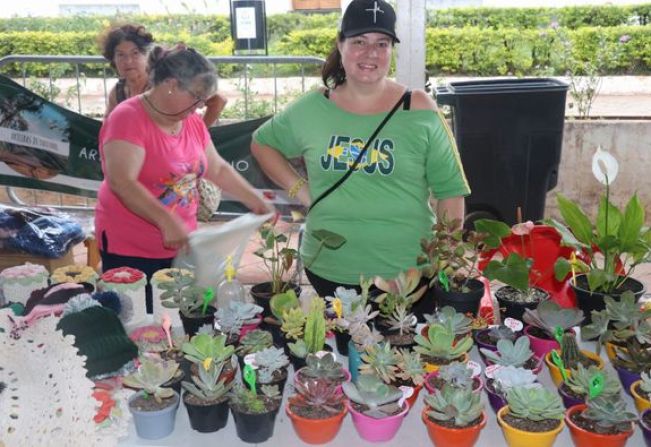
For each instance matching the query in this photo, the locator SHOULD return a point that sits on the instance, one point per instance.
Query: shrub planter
(255, 427)
(153, 424)
(261, 294)
(515, 309)
(443, 436)
(642, 402)
(588, 301)
(206, 417)
(555, 372)
(316, 431)
(520, 438)
(377, 430)
(192, 323)
(462, 302)
(585, 438)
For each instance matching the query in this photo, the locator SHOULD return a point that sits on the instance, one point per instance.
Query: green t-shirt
(382, 209)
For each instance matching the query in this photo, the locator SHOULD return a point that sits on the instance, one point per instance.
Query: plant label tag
(420, 327)
(320, 354)
(407, 392)
(249, 359)
(217, 326)
(513, 324)
(413, 321)
(474, 367)
(490, 370)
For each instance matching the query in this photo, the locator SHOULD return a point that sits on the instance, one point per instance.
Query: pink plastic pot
(245, 329)
(541, 346)
(377, 430)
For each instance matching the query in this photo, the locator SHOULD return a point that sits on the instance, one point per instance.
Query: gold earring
(169, 92)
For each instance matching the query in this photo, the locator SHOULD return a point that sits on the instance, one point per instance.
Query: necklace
(176, 128)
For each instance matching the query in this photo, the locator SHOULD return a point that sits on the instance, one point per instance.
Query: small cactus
(570, 353)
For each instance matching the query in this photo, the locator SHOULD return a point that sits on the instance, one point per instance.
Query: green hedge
(572, 17)
(484, 52)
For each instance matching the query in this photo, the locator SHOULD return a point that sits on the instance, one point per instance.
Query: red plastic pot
(316, 431)
(453, 437)
(584, 438)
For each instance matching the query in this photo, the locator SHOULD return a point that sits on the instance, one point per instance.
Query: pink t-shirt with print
(172, 166)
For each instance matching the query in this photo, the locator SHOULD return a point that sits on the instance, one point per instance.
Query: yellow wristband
(296, 187)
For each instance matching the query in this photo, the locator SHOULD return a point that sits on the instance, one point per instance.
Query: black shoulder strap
(353, 168)
(120, 93)
(407, 104)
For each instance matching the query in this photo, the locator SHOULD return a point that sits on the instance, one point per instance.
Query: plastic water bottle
(230, 288)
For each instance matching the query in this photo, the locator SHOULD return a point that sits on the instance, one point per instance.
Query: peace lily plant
(611, 246)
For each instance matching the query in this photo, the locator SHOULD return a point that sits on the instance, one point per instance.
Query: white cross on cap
(375, 10)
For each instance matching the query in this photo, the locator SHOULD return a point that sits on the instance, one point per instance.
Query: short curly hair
(137, 34)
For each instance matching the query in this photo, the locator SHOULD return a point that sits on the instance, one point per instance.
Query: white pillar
(410, 63)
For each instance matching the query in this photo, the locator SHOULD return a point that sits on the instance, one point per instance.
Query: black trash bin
(509, 133)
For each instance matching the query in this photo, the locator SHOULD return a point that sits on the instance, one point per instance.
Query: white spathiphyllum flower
(604, 166)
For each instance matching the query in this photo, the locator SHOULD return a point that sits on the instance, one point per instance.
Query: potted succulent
(317, 410)
(602, 421)
(611, 246)
(561, 364)
(439, 347)
(309, 337)
(399, 294)
(206, 398)
(457, 375)
(154, 418)
(516, 354)
(193, 302)
(499, 380)
(532, 416)
(450, 259)
(454, 416)
(375, 408)
(351, 312)
(631, 362)
(362, 337)
(278, 257)
(516, 271)
(488, 338)
(455, 321)
(576, 387)
(283, 305)
(641, 392)
(325, 368)
(255, 414)
(233, 319)
(545, 322)
(252, 342)
(271, 364)
(205, 346)
(645, 424)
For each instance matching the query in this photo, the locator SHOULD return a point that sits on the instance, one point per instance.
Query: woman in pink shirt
(154, 148)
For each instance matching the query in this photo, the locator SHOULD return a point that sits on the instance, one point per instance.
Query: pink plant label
(474, 367)
(249, 359)
(513, 324)
(490, 370)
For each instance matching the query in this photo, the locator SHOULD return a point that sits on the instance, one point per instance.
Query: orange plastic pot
(316, 431)
(641, 403)
(584, 438)
(414, 397)
(454, 437)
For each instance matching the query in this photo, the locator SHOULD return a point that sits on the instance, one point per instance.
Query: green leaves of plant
(514, 271)
(576, 219)
(329, 239)
(495, 231)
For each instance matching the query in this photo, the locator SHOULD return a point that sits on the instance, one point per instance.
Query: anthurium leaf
(596, 278)
(561, 269)
(631, 226)
(495, 231)
(567, 236)
(575, 219)
(612, 219)
(513, 271)
(330, 240)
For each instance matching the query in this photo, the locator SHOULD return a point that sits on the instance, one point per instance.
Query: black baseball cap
(369, 16)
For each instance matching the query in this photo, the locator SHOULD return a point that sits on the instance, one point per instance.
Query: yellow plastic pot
(432, 367)
(612, 349)
(520, 438)
(641, 403)
(555, 372)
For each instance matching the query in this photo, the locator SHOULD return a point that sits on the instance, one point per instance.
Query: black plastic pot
(192, 323)
(254, 428)
(280, 383)
(207, 418)
(462, 302)
(341, 340)
(588, 301)
(261, 294)
(513, 309)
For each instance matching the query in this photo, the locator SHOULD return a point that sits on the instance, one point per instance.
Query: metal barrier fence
(245, 62)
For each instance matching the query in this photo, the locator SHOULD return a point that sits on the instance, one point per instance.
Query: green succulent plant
(608, 413)
(380, 399)
(456, 374)
(570, 352)
(150, 377)
(410, 367)
(314, 331)
(293, 323)
(510, 353)
(255, 341)
(181, 293)
(645, 386)
(270, 360)
(512, 377)
(496, 333)
(282, 302)
(459, 405)
(380, 360)
(248, 401)
(455, 321)
(580, 379)
(203, 346)
(317, 394)
(635, 357)
(232, 318)
(534, 404)
(364, 337)
(440, 343)
(549, 315)
(207, 386)
(324, 367)
(399, 291)
(402, 321)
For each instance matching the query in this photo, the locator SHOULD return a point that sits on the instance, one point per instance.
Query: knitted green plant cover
(100, 336)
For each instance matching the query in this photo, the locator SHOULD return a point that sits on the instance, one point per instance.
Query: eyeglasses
(197, 98)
